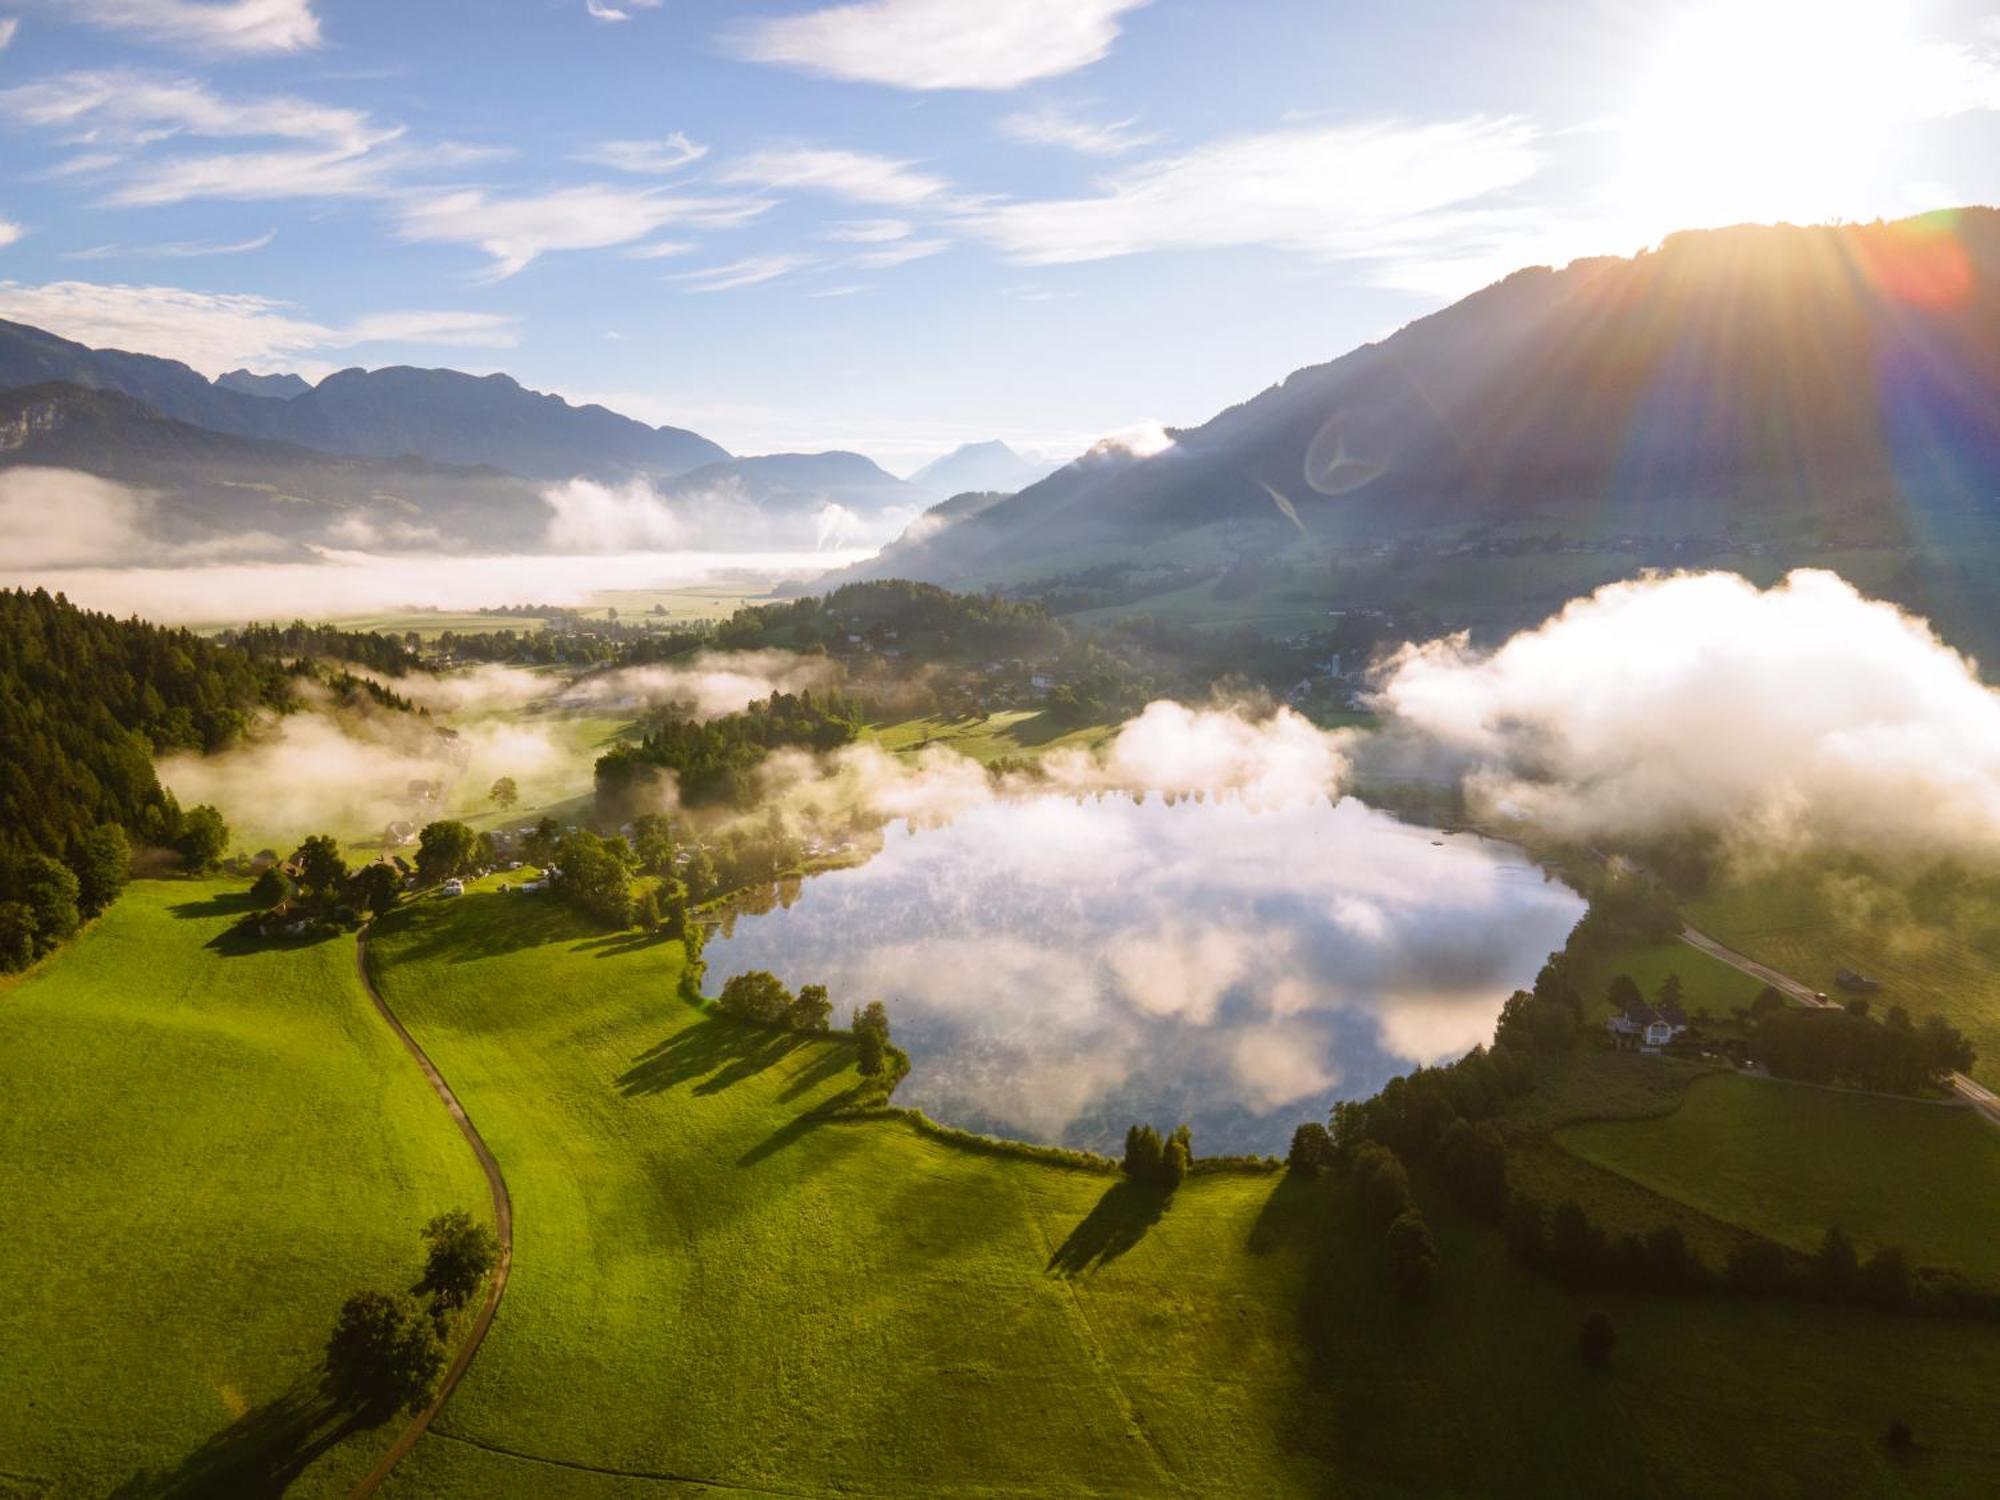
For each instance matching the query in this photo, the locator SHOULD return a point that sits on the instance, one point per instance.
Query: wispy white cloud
(1053, 126)
(598, 10)
(754, 270)
(900, 253)
(174, 249)
(220, 331)
(208, 26)
(8, 26)
(660, 250)
(853, 175)
(128, 107)
(868, 231)
(938, 44)
(515, 231)
(1383, 192)
(121, 113)
(9, 232)
(667, 154)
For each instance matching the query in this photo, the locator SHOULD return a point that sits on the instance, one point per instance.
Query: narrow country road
(1982, 1099)
(503, 1225)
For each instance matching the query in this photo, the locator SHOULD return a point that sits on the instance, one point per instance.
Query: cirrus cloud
(938, 44)
(240, 27)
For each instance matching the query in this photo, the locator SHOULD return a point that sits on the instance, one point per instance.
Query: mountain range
(1785, 390)
(442, 415)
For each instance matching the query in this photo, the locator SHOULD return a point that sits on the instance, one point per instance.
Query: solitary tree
(272, 889)
(1177, 1160)
(103, 863)
(540, 844)
(444, 849)
(384, 1353)
(505, 793)
(1596, 1339)
(463, 1252)
(202, 838)
(1312, 1150)
(812, 1010)
(646, 910)
(320, 866)
(756, 996)
(377, 887)
(871, 1033)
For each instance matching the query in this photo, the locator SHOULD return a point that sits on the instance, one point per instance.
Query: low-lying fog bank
(348, 585)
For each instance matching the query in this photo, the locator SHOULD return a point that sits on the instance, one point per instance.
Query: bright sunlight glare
(1782, 110)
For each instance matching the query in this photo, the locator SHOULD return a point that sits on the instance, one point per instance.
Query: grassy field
(1935, 954)
(1021, 732)
(1788, 1161)
(715, 1285)
(203, 1152)
(1706, 983)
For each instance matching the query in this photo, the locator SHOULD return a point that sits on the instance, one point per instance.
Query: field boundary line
(651, 1476)
(503, 1224)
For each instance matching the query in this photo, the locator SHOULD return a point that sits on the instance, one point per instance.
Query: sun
(1765, 110)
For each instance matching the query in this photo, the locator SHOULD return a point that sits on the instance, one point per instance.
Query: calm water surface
(1058, 969)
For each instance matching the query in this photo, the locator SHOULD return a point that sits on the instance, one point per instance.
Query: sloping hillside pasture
(1810, 923)
(715, 1284)
(1787, 1161)
(204, 1150)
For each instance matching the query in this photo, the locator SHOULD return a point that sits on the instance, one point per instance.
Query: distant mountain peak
(985, 466)
(277, 387)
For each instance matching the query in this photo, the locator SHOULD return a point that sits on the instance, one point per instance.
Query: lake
(1060, 968)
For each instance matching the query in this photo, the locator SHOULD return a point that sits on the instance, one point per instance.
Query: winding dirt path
(503, 1225)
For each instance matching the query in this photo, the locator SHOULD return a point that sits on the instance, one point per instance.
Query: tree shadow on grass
(618, 944)
(226, 904)
(830, 1064)
(1118, 1222)
(798, 1127)
(256, 1457)
(485, 930)
(1293, 1215)
(720, 1053)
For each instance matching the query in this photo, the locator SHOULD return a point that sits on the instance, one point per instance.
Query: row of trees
(760, 998)
(1851, 1047)
(1155, 1162)
(317, 882)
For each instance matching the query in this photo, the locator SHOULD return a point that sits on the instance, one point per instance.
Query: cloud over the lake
(1776, 717)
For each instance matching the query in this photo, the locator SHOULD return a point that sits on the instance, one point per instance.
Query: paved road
(1977, 1095)
(503, 1224)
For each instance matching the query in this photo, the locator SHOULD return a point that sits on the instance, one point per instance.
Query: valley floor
(718, 1287)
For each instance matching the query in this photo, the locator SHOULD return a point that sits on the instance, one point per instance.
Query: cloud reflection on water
(1057, 968)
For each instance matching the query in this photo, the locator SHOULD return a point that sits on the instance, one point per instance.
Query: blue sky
(896, 225)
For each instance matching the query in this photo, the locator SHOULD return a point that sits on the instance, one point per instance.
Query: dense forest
(714, 761)
(86, 701)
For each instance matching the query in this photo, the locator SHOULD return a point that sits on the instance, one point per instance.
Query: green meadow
(718, 1285)
(1011, 732)
(1786, 1161)
(204, 1150)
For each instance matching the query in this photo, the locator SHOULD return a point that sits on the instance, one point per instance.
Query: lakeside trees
(713, 760)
